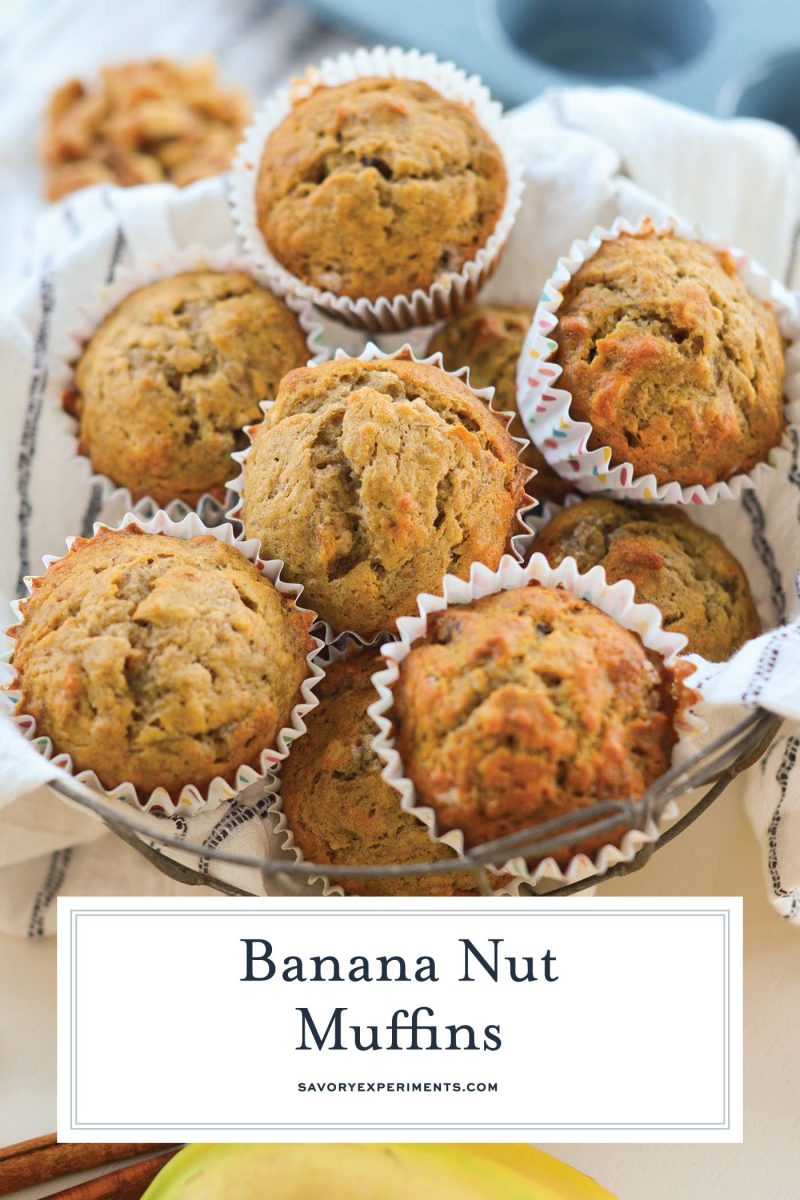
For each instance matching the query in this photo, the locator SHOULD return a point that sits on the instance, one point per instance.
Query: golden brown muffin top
(158, 660)
(338, 807)
(489, 339)
(377, 187)
(683, 569)
(371, 480)
(531, 704)
(167, 382)
(142, 122)
(676, 366)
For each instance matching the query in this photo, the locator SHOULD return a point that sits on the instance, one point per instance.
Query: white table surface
(716, 857)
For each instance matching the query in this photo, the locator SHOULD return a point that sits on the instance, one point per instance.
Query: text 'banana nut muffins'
(377, 187)
(167, 382)
(339, 809)
(142, 122)
(373, 479)
(158, 661)
(528, 705)
(488, 339)
(676, 366)
(683, 569)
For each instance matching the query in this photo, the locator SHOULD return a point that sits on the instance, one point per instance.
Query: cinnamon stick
(43, 1159)
(19, 1148)
(127, 1183)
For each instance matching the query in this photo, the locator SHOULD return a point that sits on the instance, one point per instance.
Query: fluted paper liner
(453, 291)
(106, 297)
(190, 800)
(545, 407)
(617, 600)
(370, 352)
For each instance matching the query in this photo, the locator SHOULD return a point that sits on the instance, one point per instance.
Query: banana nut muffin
(336, 804)
(528, 705)
(372, 480)
(376, 187)
(142, 122)
(683, 569)
(167, 382)
(678, 369)
(488, 339)
(159, 661)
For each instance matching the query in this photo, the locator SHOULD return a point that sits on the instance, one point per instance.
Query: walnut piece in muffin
(142, 122)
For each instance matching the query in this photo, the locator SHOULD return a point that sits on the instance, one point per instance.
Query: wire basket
(712, 769)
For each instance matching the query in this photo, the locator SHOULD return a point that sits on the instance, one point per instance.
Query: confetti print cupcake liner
(545, 407)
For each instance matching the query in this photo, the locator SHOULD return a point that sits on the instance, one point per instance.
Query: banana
(369, 1172)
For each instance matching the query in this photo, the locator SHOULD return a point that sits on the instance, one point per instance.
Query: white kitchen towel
(590, 155)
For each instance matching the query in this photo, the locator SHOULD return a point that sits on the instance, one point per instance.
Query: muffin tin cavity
(726, 57)
(771, 91)
(613, 40)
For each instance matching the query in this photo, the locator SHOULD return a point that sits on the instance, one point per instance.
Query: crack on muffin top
(170, 378)
(372, 480)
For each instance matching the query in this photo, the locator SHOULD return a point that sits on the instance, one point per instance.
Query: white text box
(517, 1020)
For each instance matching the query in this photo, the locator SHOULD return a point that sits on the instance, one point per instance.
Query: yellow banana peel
(281, 1171)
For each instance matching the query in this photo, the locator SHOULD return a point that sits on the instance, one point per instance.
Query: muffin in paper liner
(191, 800)
(344, 647)
(453, 291)
(617, 600)
(545, 408)
(106, 297)
(517, 541)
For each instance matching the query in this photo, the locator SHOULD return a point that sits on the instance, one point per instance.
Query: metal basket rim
(717, 765)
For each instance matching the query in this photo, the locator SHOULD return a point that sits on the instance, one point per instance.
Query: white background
(640, 1001)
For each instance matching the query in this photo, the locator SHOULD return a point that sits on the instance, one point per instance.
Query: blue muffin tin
(726, 57)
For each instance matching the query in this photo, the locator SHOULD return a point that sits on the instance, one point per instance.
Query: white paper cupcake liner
(518, 541)
(451, 293)
(190, 800)
(108, 296)
(617, 600)
(545, 408)
(345, 646)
